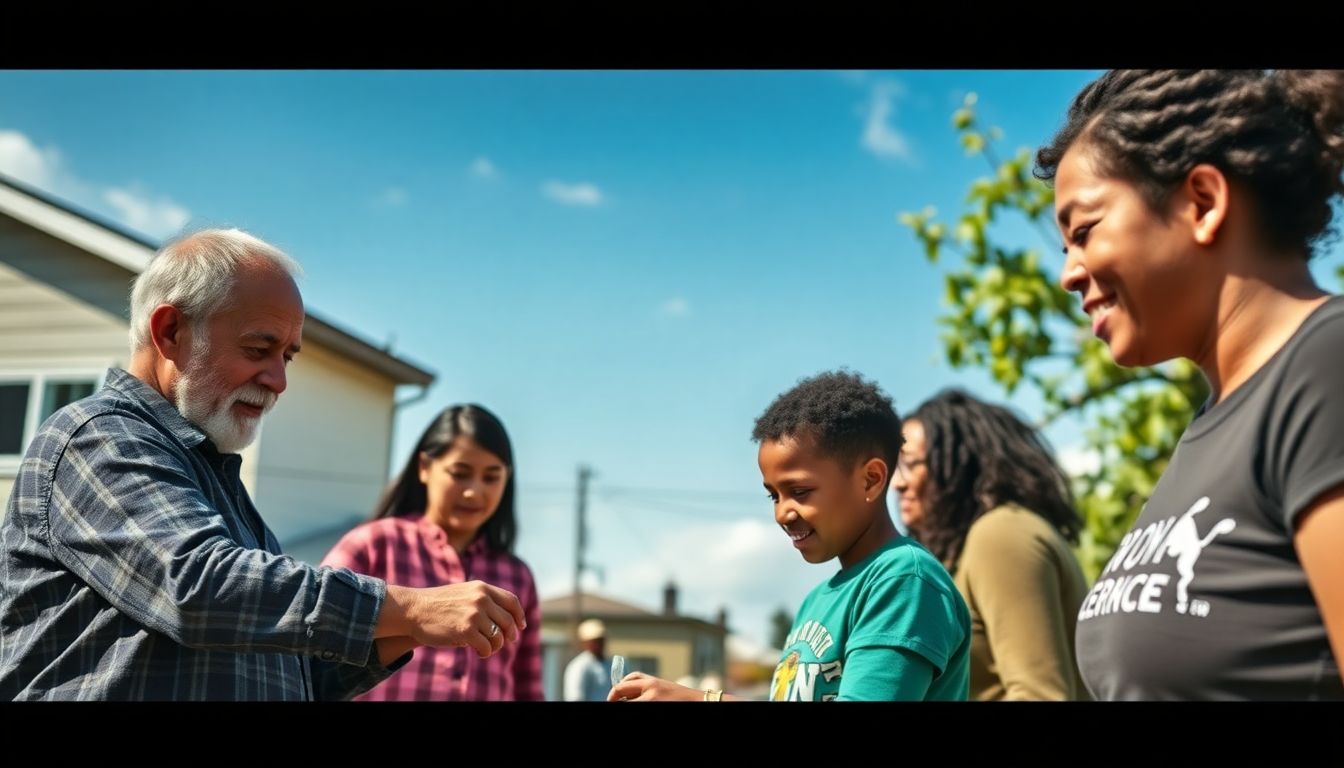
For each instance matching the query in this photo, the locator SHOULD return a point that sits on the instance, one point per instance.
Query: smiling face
(1140, 275)
(826, 509)
(463, 488)
(235, 370)
(911, 476)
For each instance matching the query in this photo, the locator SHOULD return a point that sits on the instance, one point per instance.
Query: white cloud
(675, 307)
(22, 160)
(1079, 460)
(43, 168)
(393, 197)
(482, 168)
(742, 562)
(589, 581)
(746, 566)
(582, 193)
(879, 136)
(740, 647)
(160, 217)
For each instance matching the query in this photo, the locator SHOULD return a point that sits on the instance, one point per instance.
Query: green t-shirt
(891, 627)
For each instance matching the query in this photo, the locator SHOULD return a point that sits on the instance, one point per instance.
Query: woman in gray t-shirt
(1189, 203)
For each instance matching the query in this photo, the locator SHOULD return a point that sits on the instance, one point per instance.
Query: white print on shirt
(1184, 544)
(817, 637)
(796, 680)
(1177, 537)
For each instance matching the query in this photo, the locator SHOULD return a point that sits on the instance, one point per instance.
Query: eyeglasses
(906, 466)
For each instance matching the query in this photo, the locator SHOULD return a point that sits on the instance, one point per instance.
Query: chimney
(670, 599)
(723, 617)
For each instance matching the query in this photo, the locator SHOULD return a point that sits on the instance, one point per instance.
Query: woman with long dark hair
(979, 488)
(449, 517)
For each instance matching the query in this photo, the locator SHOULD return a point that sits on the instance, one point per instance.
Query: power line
(643, 541)
(694, 492)
(565, 488)
(665, 506)
(623, 490)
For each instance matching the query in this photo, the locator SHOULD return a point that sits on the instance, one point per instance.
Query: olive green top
(1023, 586)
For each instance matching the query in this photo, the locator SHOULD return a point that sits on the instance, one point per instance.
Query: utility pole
(580, 543)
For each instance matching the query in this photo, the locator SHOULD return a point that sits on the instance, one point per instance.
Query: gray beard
(194, 396)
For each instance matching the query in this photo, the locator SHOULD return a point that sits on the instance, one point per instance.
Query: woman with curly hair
(1190, 202)
(979, 488)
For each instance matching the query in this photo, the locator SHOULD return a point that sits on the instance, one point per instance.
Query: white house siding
(322, 456)
(323, 452)
(45, 331)
(39, 325)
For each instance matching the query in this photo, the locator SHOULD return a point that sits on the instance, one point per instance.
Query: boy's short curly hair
(849, 418)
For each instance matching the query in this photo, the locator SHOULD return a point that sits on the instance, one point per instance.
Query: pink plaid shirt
(413, 552)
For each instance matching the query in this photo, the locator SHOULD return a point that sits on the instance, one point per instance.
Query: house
(668, 644)
(322, 456)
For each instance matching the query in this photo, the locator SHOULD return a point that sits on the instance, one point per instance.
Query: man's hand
(473, 614)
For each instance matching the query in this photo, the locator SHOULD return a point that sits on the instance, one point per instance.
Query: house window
(27, 399)
(705, 658)
(57, 393)
(13, 414)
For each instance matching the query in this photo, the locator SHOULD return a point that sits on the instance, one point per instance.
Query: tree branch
(1111, 387)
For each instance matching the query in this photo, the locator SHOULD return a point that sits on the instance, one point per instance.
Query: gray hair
(195, 273)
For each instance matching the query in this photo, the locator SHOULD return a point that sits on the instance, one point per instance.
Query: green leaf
(1006, 314)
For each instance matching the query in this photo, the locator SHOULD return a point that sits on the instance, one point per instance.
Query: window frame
(37, 379)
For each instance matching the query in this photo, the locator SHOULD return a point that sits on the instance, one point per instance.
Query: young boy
(890, 625)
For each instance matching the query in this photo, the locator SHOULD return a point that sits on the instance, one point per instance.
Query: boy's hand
(638, 686)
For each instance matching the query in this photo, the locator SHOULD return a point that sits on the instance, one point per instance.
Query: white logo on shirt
(1177, 537)
(795, 679)
(1184, 544)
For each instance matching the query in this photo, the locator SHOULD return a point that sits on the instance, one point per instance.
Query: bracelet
(713, 695)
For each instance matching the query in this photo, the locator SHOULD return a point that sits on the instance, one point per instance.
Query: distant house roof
(595, 605)
(132, 252)
(607, 608)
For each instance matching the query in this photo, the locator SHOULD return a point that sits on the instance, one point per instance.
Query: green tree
(781, 621)
(1007, 314)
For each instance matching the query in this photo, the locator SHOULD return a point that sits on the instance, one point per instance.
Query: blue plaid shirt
(134, 566)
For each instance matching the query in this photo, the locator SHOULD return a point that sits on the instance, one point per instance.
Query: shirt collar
(162, 410)
(478, 545)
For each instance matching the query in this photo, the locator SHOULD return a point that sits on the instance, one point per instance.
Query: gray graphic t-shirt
(1205, 597)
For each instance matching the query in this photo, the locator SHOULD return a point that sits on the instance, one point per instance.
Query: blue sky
(626, 266)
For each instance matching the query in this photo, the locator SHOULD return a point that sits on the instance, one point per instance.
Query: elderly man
(133, 564)
(587, 677)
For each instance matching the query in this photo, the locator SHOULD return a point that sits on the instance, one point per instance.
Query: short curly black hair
(850, 418)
